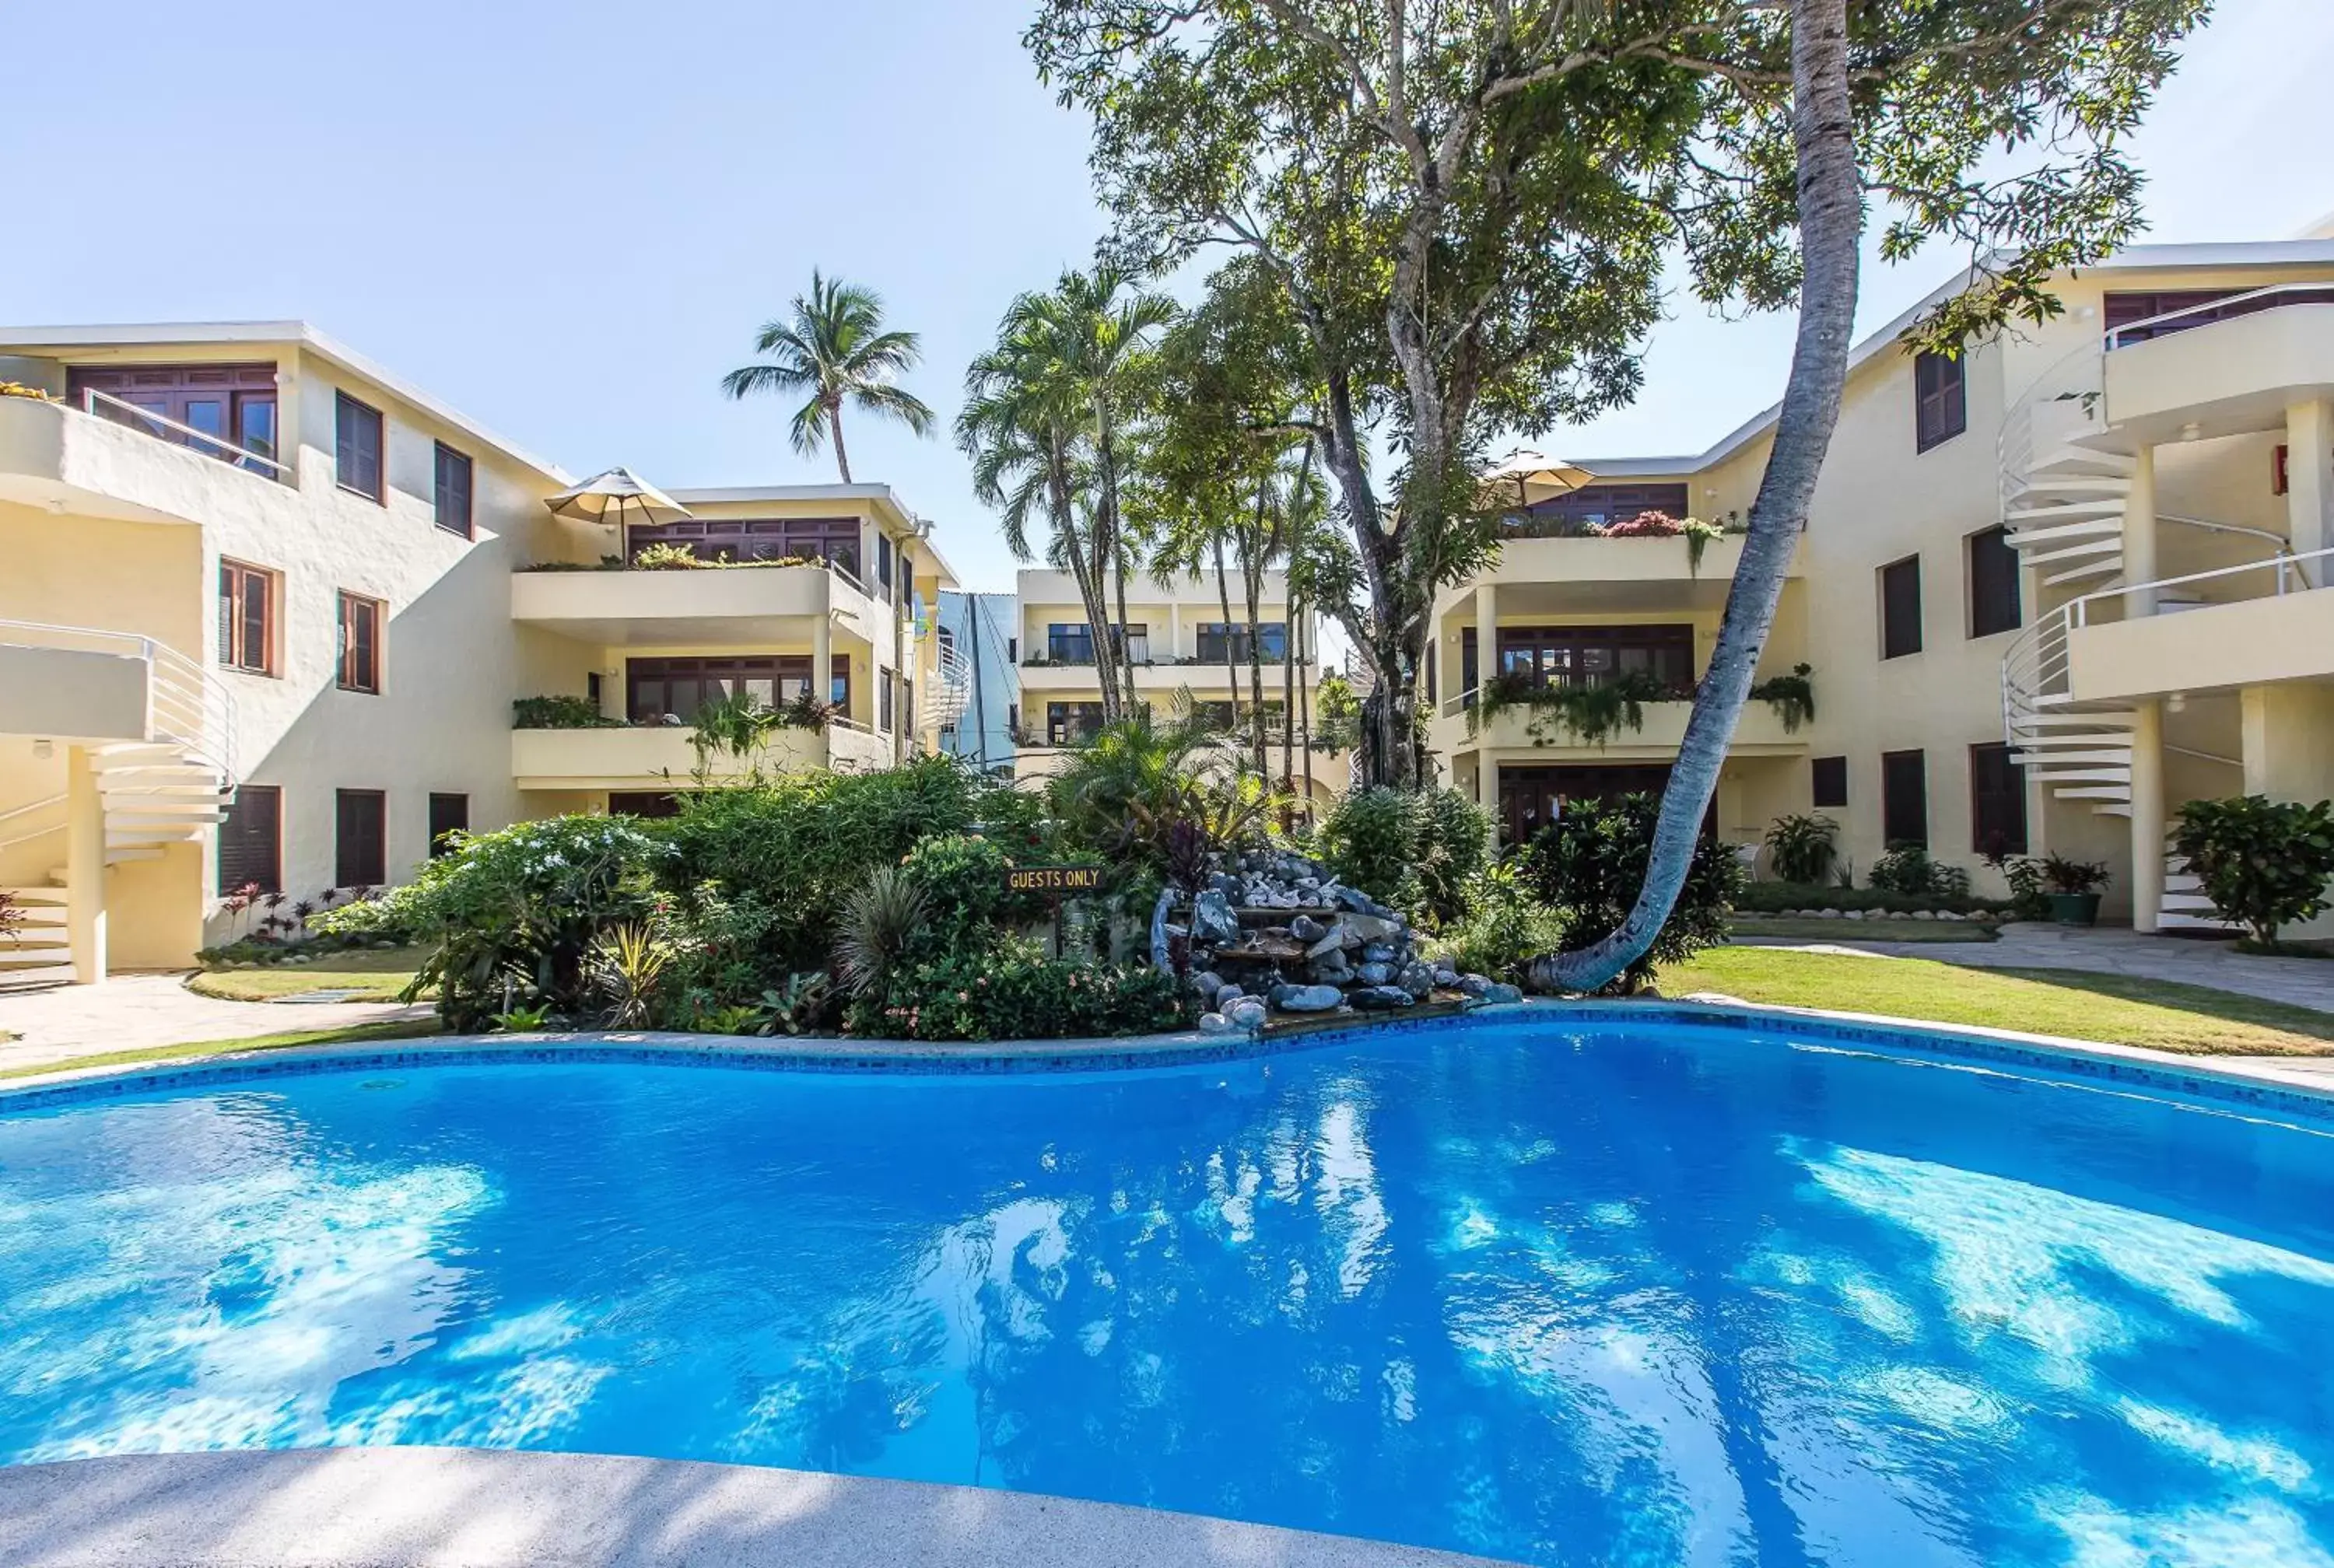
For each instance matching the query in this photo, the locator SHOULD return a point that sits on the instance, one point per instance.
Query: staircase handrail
(185, 705)
(2286, 563)
(2317, 294)
(2077, 376)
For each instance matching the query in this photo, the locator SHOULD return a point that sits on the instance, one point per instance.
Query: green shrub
(1591, 865)
(1015, 992)
(1453, 846)
(1803, 849)
(1908, 871)
(1774, 897)
(1368, 841)
(1503, 925)
(519, 909)
(560, 713)
(2263, 863)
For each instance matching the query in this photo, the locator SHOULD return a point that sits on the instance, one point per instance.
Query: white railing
(2068, 394)
(2035, 668)
(2250, 303)
(31, 808)
(136, 418)
(185, 706)
(952, 690)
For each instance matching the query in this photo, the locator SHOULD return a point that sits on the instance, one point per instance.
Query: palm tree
(836, 349)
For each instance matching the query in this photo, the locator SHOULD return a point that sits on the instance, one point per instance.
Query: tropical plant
(795, 1007)
(1593, 712)
(1906, 868)
(1503, 925)
(836, 349)
(1369, 841)
(1590, 863)
(1802, 848)
(1791, 696)
(2263, 863)
(622, 969)
(1015, 991)
(2073, 878)
(880, 919)
(12, 920)
(666, 556)
(1122, 792)
(1337, 715)
(523, 1020)
(560, 713)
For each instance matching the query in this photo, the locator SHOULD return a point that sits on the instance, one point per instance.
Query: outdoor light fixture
(2176, 703)
(44, 749)
(2190, 431)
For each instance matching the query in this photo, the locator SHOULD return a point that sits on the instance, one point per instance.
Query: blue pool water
(1659, 1297)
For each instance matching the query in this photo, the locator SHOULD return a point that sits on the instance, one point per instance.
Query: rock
(1925, 915)
(1223, 882)
(1374, 974)
(1247, 1012)
(1475, 984)
(1353, 899)
(1377, 953)
(1304, 929)
(384, 945)
(1372, 927)
(1212, 920)
(1379, 998)
(1851, 914)
(1348, 938)
(1415, 978)
(1287, 900)
(1206, 984)
(1214, 1024)
(1326, 972)
(1498, 994)
(1306, 998)
(1445, 975)
(1332, 940)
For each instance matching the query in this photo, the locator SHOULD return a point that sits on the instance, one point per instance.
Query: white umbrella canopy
(1533, 476)
(618, 496)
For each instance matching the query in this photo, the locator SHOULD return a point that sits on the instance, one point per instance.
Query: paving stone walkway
(133, 1012)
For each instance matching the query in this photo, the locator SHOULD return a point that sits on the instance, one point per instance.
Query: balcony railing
(132, 417)
(184, 705)
(2190, 317)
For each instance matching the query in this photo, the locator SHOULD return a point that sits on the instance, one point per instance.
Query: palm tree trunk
(1304, 719)
(1288, 693)
(834, 429)
(1830, 219)
(1232, 670)
(1252, 545)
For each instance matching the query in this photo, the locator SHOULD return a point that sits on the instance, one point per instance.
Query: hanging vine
(1792, 697)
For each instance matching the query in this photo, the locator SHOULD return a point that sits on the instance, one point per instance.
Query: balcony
(82, 683)
(2286, 633)
(2235, 371)
(1555, 576)
(1160, 676)
(660, 756)
(68, 460)
(1759, 733)
(715, 604)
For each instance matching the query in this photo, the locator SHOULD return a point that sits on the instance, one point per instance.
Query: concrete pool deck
(482, 1508)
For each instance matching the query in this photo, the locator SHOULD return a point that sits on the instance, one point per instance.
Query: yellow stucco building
(265, 612)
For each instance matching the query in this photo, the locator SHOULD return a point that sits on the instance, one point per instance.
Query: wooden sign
(1053, 878)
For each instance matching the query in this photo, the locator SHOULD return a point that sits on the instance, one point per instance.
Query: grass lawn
(375, 975)
(2113, 1008)
(353, 1035)
(1867, 930)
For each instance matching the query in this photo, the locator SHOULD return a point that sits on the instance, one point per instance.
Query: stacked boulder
(1274, 934)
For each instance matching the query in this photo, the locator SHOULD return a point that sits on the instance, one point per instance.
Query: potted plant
(2072, 888)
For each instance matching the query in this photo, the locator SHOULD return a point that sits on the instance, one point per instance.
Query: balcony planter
(2074, 909)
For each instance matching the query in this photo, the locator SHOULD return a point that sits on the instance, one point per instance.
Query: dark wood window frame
(449, 812)
(251, 841)
(1940, 398)
(1899, 583)
(248, 614)
(656, 686)
(1271, 636)
(1997, 801)
(359, 838)
(833, 539)
(453, 499)
(1828, 782)
(884, 584)
(1904, 798)
(1995, 603)
(1068, 723)
(241, 398)
(1599, 505)
(359, 471)
(1596, 655)
(362, 622)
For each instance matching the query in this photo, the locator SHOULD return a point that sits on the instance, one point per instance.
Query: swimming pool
(1604, 1293)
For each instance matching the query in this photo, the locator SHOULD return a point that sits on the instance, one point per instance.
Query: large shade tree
(1465, 205)
(835, 350)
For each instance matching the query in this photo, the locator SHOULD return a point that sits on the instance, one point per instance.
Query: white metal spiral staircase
(170, 786)
(950, 693)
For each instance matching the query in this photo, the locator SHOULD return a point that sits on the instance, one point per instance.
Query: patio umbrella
(1535, 476)
(618, 497)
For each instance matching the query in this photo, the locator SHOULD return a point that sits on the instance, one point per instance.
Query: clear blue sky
(567, 219)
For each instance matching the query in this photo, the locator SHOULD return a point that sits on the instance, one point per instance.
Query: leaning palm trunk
(1830, 219)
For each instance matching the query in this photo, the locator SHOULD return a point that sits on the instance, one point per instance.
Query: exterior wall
(983, 626)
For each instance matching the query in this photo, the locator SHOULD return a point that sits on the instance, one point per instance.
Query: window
(1070, 642)
(233, 406)
(1940, 399)
(1997, 801)
(592, 688)
(359, 838)
(883, 700)
(357, 447)
(1830, 780)
(246, 618)
(360, 643)
(1900, 607)
(1272, 641)
(833, 540)
(1596, 655)
(447, 814)
(251, 841)
(655, 688)
(1533, 797)
(1068, 723)
(642, 803)
(1904, 798)
(907, 575)
(1012, 651)
(453, 490)
(948, 643)
(1993, 584)
(884, 564)
(1575, 510)
(2122, 308)
(1469, 660)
